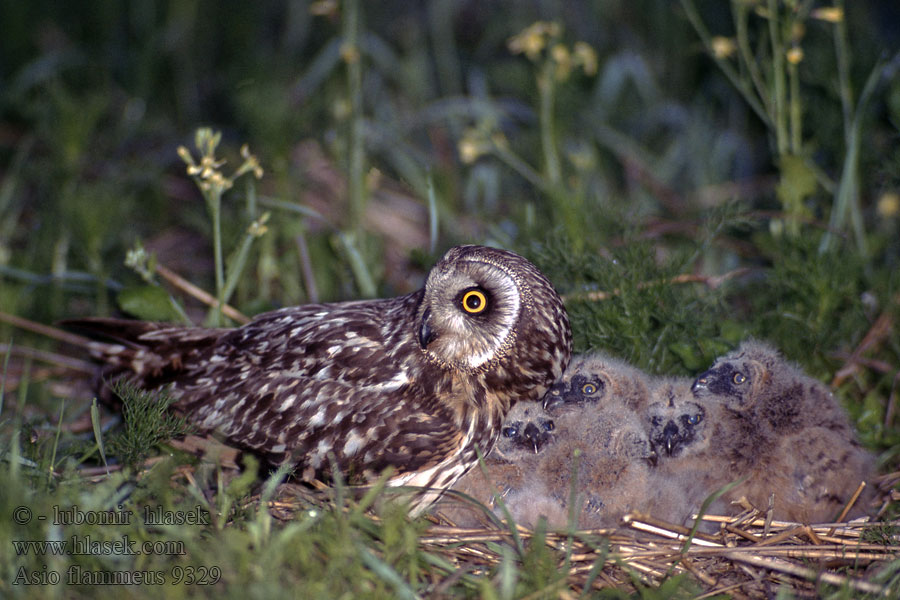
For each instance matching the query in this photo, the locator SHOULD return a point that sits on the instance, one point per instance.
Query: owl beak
(426, 333)
(701, 383)
(554, 397)
(533, 436)
(671, 438)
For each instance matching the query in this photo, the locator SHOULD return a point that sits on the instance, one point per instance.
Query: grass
(687, 175)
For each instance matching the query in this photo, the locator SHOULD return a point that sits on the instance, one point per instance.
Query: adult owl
(414, 382)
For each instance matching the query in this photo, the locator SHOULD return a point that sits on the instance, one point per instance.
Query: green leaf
(797, 182)
(98, 434)
(151, 303)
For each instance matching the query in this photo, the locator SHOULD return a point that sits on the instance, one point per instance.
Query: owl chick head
(526, 430)
(484, 308)
(677, 424)
(739, 379)
(598, 378)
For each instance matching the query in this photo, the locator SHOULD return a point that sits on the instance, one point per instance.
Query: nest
(750, 555)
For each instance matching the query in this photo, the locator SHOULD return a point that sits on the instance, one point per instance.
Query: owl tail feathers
(97, 350)
(152, 352)
(147, 352)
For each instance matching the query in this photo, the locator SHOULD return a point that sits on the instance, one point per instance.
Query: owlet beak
(672, 438)
(701, 383)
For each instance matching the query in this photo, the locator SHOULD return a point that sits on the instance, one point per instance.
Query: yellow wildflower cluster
(532, 40)
(543, 35)
(207, 171)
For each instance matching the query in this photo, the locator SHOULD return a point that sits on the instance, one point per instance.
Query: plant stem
(355, 142)
(547, 91)
(796, 112)
(781, 135)
(846, 199)
(733, 76)
(741, 10)
(842, 53)
(214, 202)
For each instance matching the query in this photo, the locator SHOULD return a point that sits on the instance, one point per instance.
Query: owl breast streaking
(414, 382)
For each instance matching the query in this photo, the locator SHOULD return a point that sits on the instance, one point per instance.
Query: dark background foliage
(653, 190)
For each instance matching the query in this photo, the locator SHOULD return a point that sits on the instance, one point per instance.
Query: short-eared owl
(691, 441)
(414, 382)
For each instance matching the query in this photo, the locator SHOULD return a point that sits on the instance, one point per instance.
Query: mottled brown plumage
(413, 382)
(692, 441)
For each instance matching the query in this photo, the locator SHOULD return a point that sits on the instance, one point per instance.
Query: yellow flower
(586, 57)
(258, 227)
(723, 47)
(795, 55)
(218, 181)
(889, 204)
(185, 155)
(251, 163)
(472, 146)
(563, 61)
(831, 14)
(532, 40)
(349, 53)
(373, 179)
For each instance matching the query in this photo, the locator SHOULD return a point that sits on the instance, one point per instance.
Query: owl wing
(307, 421)
(343, 341)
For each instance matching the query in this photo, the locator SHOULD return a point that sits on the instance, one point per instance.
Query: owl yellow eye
(739, 378)
(588, 388)
(474, 302)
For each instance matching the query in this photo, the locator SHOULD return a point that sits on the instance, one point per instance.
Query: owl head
(491, 311)
(739, 379)
(525, 431)
(677, 425)
(598, 378)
